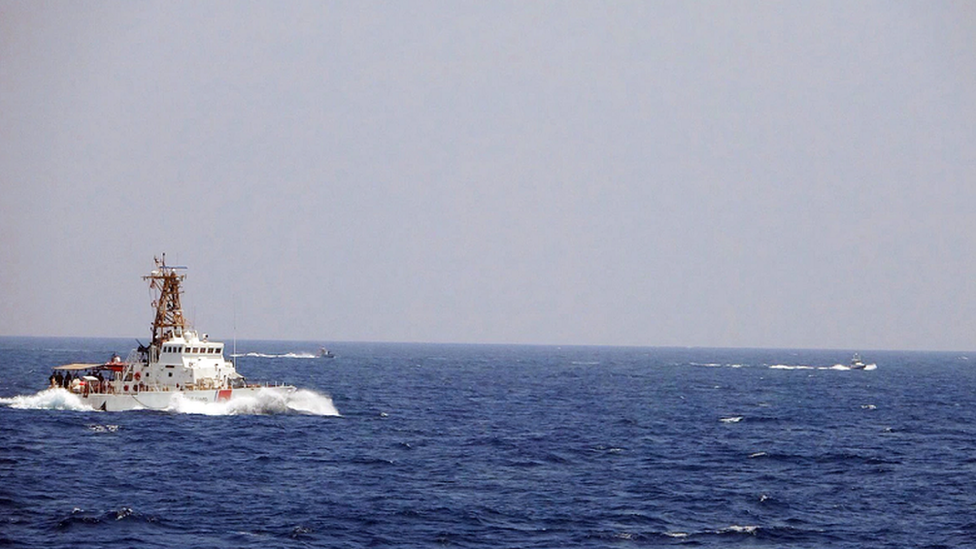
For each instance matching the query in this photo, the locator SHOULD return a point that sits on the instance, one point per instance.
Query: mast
(165, 283)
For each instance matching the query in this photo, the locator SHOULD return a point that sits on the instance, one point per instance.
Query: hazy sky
(761, 174)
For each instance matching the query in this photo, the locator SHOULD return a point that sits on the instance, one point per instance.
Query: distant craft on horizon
(858, 364)
(177, 361)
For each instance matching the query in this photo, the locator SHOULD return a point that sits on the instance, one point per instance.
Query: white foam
(734, 419)
(48, 399)
(312, 403)
(263, 403)
(790, 367)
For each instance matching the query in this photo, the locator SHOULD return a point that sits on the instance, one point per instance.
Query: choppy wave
(264, 403)
(48, 399)
(80, 517)
(285, 355)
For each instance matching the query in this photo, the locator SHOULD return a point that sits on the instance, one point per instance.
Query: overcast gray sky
(761, 174)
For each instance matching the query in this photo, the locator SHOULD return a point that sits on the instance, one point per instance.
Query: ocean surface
(409, 445)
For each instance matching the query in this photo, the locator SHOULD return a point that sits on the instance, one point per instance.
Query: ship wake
(266, 355)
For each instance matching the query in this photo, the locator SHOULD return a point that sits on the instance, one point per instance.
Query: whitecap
(758, 454)
(48, 399)
(741, 529)
(733, 419)
(96, 428)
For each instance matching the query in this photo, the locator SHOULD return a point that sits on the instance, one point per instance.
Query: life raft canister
(125, 388)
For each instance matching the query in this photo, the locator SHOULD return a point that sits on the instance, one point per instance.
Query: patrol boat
(178, 362)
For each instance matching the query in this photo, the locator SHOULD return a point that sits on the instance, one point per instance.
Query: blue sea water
(503, 446)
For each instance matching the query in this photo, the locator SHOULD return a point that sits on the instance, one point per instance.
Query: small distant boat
(857, 363)
(325, 353)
